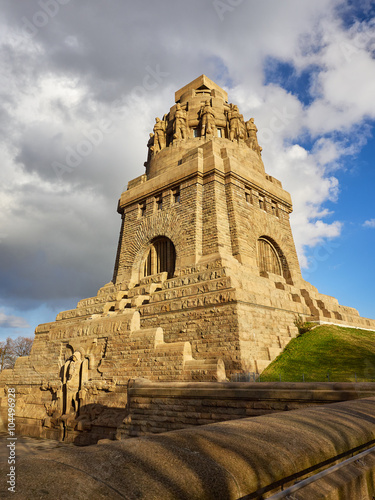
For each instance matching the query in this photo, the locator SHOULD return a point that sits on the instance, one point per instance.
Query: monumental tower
(206, 281)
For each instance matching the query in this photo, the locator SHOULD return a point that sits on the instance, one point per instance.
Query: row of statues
(237, 127)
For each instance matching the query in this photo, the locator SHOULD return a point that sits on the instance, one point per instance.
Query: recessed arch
(166, 223)
(160, 257)
(271, 259)
(268, 259)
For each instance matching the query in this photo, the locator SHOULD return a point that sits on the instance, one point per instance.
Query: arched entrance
(160, 258)
(268, 258)
(271, 259)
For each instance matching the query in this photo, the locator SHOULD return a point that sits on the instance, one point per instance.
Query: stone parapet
(161, 407)
(249, 458)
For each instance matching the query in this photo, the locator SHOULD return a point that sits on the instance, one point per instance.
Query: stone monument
(206, 280)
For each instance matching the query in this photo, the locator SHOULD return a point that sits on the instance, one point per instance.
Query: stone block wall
(162, 407)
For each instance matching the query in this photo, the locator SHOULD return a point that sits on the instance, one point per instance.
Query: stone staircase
(141, 352)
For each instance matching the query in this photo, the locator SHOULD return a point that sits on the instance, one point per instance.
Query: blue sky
(345, 269)
(304, 70)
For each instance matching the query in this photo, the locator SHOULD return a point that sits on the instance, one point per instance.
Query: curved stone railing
(249, 458)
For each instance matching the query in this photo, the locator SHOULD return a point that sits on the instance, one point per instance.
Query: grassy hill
(326, 353)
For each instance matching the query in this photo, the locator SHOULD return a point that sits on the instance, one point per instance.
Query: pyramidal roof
(197, 84)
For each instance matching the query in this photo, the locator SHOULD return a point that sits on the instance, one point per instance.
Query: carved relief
(53, 408)
(72, 383)
(93, 387)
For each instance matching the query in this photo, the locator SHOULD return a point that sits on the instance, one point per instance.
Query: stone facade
(206, 281)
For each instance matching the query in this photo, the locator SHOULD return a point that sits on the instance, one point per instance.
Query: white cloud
(8, 321)
(369, 223)
(344, 85)
(305, 178)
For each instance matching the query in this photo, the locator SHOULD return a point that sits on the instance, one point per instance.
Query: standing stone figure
(236, 126)
(72, 382)
(150, 145)
(208, 119)
(252, 134)
(179, 123)
(159, 135)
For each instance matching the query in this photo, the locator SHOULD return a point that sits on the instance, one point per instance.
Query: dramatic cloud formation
(81, 83)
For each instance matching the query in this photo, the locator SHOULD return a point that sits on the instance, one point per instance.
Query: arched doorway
(268, 258)
(160, 258)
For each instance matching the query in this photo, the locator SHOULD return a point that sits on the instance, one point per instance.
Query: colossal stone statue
(236, 123)
(208, 119)
(159, 135)
(150, 146)
(252, 135)
(179, 128)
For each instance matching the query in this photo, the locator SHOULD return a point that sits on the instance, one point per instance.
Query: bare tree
(11, 349)
(3, 351)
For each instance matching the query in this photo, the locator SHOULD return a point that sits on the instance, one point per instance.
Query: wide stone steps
(195, 368)
(143, 353)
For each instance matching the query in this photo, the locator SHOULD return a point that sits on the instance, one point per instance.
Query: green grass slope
(326, 353)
